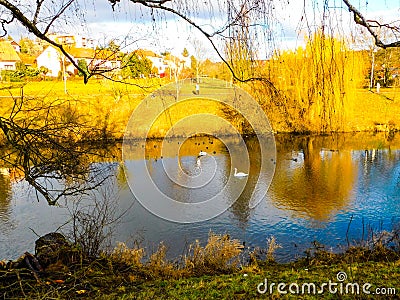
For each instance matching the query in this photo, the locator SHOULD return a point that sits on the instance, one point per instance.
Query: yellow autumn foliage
(318, 83)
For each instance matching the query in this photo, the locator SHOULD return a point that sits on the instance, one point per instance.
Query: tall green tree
(136, 66)
(83, 67)
(193, 64)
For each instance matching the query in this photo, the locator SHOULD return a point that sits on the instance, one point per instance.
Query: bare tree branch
(45, 149)
(57, 15)
(159, 5)
(39, 4)
(370, 24)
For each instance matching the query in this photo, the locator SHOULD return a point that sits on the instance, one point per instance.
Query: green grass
(243, 285)
(95, 282)
(100, 104)
(103, 104)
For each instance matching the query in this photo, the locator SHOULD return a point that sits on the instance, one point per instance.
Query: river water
(331, 189)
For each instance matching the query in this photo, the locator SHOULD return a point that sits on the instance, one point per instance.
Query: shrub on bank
(127, 271)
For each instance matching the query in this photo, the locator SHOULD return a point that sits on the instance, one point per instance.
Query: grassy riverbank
(107, 106)
(221, 269)
(96, 281)
(244, 285)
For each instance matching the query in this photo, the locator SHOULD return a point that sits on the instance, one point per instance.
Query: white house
(98, 60)
(173, 63)
(158, 63)
(50, 58)
(8, 56)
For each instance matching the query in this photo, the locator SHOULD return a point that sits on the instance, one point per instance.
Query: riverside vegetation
(221, 269)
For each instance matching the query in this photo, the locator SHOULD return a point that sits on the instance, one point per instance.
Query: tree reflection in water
(314, 179)
(5, 195)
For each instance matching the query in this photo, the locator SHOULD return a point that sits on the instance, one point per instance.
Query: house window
(8, 67)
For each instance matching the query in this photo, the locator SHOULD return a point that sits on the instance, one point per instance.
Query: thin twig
(348, 230)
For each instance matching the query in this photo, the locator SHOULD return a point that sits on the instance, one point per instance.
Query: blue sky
(134, 26)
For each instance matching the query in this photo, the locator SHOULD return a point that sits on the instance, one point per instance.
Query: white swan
(202, 153)
(198, 163)
(240, 174)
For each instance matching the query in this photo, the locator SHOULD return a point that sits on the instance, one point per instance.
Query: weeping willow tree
(311, 89)
(325, 83)
(239, 49)
(318, 82)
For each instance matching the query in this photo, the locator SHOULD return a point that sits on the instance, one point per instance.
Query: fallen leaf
(59, 281)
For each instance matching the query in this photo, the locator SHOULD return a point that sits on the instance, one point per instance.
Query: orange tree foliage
(317, 83)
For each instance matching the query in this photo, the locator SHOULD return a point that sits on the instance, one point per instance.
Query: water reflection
(379, 179)
(319, 183)
(5, 195)
(314, 178)
(178, 172)
(241, 209)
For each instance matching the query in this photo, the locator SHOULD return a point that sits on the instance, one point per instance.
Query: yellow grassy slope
(109, 105)
(372, 111)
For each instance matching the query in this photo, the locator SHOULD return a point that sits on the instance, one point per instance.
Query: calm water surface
(319, 185)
